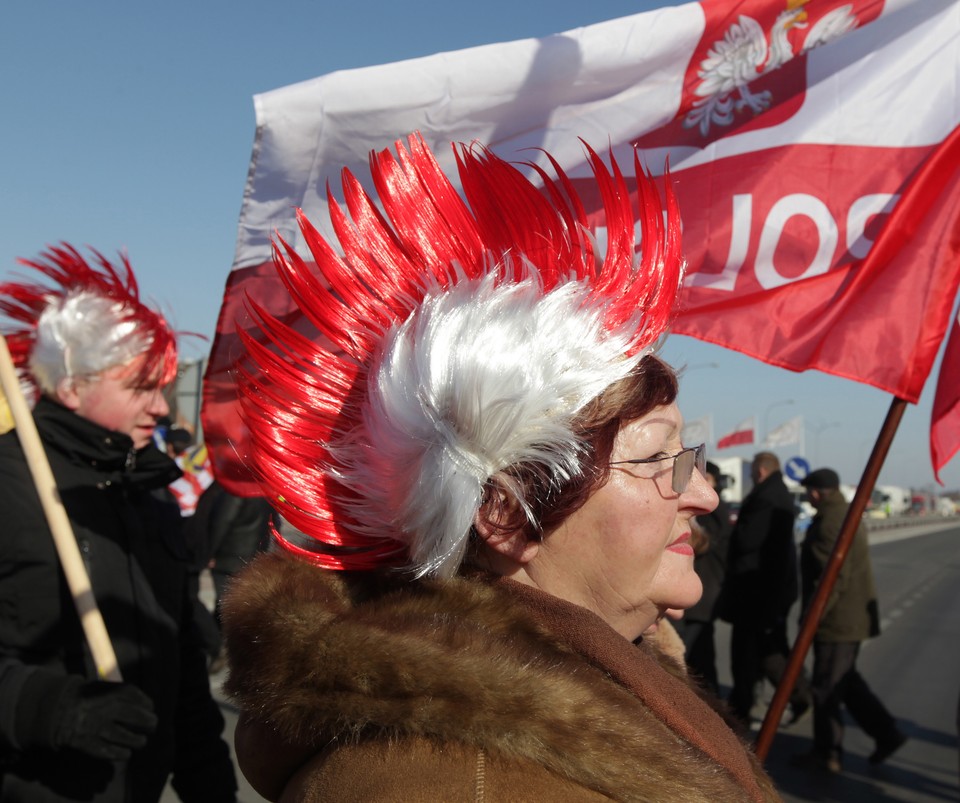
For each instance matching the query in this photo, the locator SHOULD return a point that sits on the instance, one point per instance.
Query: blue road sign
(796, 468)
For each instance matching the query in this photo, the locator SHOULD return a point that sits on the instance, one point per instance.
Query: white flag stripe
(605, 83)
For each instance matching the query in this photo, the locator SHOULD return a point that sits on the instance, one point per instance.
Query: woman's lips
(681, 546)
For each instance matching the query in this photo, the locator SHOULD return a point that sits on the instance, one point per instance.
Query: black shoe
(887, 748)
(818, 762)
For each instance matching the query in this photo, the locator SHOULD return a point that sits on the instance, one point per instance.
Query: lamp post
(766, 430)
(816, 438)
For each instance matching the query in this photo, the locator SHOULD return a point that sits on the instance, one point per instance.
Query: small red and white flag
(742, 435)
(788, 432)
(697, 430)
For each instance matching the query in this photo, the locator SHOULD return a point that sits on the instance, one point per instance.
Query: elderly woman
(484, 460)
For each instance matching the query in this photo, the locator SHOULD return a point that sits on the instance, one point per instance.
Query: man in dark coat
(761, 586)
(850, 617)
(711, 544)
(100, 359)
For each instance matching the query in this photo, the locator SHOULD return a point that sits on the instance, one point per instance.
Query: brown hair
(767, 460)
(652, 384)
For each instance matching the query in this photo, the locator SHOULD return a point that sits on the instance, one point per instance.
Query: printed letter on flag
(813, 148)
(741, 436)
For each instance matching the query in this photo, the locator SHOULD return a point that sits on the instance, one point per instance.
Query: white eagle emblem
(745, 53)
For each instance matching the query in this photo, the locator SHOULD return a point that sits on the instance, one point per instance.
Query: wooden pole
(829, 577)
(79, 583)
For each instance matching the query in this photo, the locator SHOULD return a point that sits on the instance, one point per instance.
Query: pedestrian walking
(849, 618)
(760, 588)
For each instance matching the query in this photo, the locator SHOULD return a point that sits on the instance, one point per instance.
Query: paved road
(914, 667)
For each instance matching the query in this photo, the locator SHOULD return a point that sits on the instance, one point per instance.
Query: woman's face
(626, 553)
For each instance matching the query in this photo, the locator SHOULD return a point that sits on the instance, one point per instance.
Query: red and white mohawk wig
(87, 318)
(463, 339)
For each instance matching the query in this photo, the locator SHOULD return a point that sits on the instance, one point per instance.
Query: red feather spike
(387, 266)
(583, 258)
(460, 226)
(615, 280)
(432, 222)
(513, 215)
(324, 306)
(315, 362)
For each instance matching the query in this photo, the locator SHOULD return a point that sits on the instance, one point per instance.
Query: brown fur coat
(360, 687)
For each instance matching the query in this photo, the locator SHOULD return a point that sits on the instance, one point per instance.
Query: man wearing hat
(850, 616)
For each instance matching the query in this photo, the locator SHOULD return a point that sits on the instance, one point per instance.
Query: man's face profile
(116, 400)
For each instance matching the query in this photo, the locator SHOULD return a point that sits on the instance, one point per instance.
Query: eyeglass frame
(699, 462)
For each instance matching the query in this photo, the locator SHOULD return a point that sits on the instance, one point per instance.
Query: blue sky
(129, 125)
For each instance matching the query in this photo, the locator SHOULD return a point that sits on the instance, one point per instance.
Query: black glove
(101, 719)
(106, 720)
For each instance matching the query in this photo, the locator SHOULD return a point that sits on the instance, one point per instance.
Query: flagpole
(828, 579)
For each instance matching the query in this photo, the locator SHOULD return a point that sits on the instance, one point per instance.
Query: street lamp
(766, 430)
(686, 369)
(816, 438)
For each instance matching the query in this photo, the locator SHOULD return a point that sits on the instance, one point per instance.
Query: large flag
(813, 147)
(742, 435)
(788, 432)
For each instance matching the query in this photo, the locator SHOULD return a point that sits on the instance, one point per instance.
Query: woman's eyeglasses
(684, 462)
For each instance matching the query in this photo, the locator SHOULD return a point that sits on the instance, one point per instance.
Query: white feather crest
(483, 376)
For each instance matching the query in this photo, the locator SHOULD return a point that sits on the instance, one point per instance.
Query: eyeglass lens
(684, 464)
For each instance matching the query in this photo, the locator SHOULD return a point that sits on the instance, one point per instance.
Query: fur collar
(321, 655)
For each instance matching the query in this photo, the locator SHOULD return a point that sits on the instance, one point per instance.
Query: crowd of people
(481, 523)
(752, 578)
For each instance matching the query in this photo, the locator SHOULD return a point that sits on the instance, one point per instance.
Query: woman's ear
(496, 525)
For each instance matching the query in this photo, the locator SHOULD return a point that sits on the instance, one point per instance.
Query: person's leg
(832, 663)
(775, 649)
(871, 714)
(867, 709)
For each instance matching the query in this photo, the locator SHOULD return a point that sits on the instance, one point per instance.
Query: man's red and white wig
(459, 337)
(84, 319)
